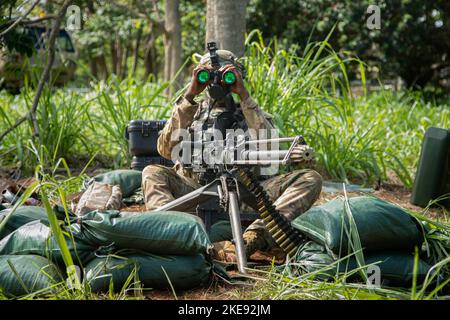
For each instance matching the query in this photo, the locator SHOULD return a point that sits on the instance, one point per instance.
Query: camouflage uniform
(293, 193)
(99, 196)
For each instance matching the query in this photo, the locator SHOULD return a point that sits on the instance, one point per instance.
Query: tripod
(228, 193)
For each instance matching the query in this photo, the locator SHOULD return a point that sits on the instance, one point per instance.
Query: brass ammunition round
(291, 246)
(274, 229)
(292, 252)
(261, 206)
(265, 214)
(271, 224)
(285, 243)
(283, 237)
(279, 244)
(294, 248)
(244, 176)
(277, 234)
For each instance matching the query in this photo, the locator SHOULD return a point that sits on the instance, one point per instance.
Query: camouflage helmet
(225, 57)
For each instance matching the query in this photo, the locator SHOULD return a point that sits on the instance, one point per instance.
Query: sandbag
(396, 267)
(128, 180)
(22, 215)
(29, 273)
(221, 231)
(36, 238)
(167, 232)
(381, 225)
(184, 272)
(99, 196)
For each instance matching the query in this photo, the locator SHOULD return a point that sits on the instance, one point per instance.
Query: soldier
(292, 193)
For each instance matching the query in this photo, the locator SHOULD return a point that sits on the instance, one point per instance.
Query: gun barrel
(264, 155)
(279, 140)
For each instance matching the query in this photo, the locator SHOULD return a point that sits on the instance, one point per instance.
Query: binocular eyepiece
(228, 77)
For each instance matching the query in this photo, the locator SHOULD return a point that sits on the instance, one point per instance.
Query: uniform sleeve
(181, 118)
(255, 117)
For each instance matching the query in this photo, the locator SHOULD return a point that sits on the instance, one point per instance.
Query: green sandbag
(24, 274)
(166, 232)
(24, 214)
(21, 216)
(381, 225)
(221, 231)
(184, 272)
(396, 268)
(36, 238)
(128, 180)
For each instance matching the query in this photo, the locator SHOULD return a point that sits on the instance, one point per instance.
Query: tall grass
(53, 189)
(356, 138)
(116, 104)
(78, 123)
(359, 139)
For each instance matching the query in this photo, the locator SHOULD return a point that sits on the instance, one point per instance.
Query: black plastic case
(142, 137)
(139, 163)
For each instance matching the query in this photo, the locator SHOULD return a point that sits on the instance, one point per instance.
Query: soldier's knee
(152, 169)
(314, 177)
(311, 178)
(154, 174)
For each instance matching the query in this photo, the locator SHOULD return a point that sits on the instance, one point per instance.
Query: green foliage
(16, 39)
(193, 27)
(357, 139)
(118, 103)
(412, 42)
(360, 139)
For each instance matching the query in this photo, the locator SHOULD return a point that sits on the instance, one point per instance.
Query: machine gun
(231, 182)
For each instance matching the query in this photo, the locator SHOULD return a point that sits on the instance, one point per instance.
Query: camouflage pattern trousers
(292, 193)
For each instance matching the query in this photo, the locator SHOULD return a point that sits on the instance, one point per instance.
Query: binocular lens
(203, 76)
(229, 77)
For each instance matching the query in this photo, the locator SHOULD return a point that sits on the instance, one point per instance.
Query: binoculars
(205, 75)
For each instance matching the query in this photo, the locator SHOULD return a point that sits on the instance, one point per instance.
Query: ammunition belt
(279, 227)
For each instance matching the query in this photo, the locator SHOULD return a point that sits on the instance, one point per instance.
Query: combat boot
(255, 240)
(224, 251)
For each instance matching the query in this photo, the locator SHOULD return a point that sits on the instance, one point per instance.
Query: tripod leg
(236, 228)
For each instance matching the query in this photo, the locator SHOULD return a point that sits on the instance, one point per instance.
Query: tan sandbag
(99, 196)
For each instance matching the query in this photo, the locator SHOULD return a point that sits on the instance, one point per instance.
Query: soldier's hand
(238, 86)
(195, 87)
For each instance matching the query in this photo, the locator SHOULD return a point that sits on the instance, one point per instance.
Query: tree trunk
(113, 57)
(225, 24)
(103, 67)
(92, 59)
(124, 71)
(172, 43)
(136, 50)
(119, 53)
(150, 57)
(93, 66)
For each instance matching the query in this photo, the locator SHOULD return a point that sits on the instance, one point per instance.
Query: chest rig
(211, 123)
